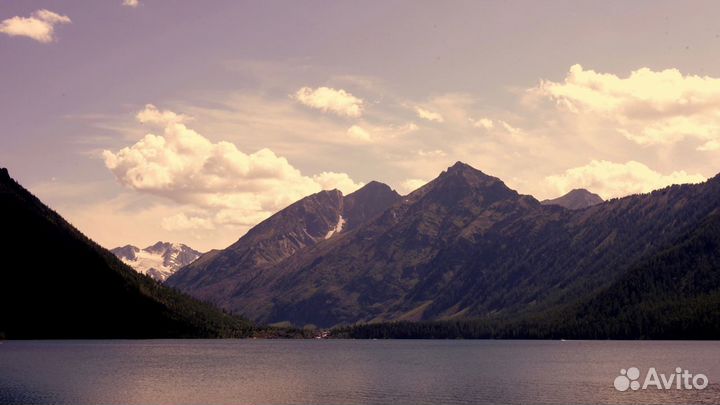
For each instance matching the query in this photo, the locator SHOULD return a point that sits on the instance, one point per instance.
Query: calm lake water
(345, 372)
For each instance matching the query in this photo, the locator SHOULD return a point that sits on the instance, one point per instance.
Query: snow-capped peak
(158, 261)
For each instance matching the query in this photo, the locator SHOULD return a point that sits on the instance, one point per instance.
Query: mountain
(674, 294)
(576, 199)
(57, 283)
(462, 246)
(223, 277)
(158, 261)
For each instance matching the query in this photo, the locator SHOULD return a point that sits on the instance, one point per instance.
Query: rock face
(222, 276)
(577, 199)
(463, 245)
(60, 284)
(158, 261)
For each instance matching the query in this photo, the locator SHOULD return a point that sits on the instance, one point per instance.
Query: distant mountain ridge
(67, 286)
(158, 261)
(576, 199)
(462, 246)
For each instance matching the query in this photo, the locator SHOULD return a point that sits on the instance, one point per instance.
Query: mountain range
(57, 283)
(462, 256)
(463, 246)
(159, 261)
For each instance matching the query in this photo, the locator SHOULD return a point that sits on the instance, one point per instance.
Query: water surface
(344, 371)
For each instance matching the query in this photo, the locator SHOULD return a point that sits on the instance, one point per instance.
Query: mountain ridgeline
(57, 283)
(464, 246)
(576, 199)
(237, 277)
(462, 256)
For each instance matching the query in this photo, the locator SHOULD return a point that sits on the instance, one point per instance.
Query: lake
(346, 371)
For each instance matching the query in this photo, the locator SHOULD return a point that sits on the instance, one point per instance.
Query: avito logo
(679, 380)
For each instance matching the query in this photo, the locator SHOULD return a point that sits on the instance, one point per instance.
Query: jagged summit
(463, 184)
(472, 176)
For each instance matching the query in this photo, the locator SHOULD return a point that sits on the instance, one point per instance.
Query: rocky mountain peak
(463, 183)
(367, 202)
(464, 170)
(578, 198)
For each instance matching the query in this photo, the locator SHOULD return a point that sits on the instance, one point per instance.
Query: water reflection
(343, 372)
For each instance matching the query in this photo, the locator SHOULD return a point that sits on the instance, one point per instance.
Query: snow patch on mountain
(337, 229)
(158, 261)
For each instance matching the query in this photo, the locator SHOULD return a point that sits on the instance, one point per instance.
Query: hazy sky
(191, 121)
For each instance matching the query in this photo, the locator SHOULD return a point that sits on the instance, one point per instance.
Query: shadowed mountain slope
(60, 284)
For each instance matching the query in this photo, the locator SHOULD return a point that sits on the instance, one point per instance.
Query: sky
(187, 121)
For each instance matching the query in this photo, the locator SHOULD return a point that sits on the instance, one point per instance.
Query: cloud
(151, 115)
(431, 153)
(647, 107)
(410, 185)
(397, 130)
(131, 3)
(611, 179)
(40, 26)
(380, 132)
(340, 181)
(223, 184)
(357, 132)
(328, 99)
(182, 222)
(710, 146)
(485, 123)
(498, 125)
(429, 115)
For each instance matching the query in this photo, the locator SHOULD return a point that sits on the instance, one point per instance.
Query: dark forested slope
(57, 283)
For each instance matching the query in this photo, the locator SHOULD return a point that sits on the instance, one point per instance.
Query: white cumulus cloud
(429, 115)
(328, 99)
(40, 26)
(151, 115)
(610, 179)
(648, 107)
(359, 133)
(221, 183)
(340, 181)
